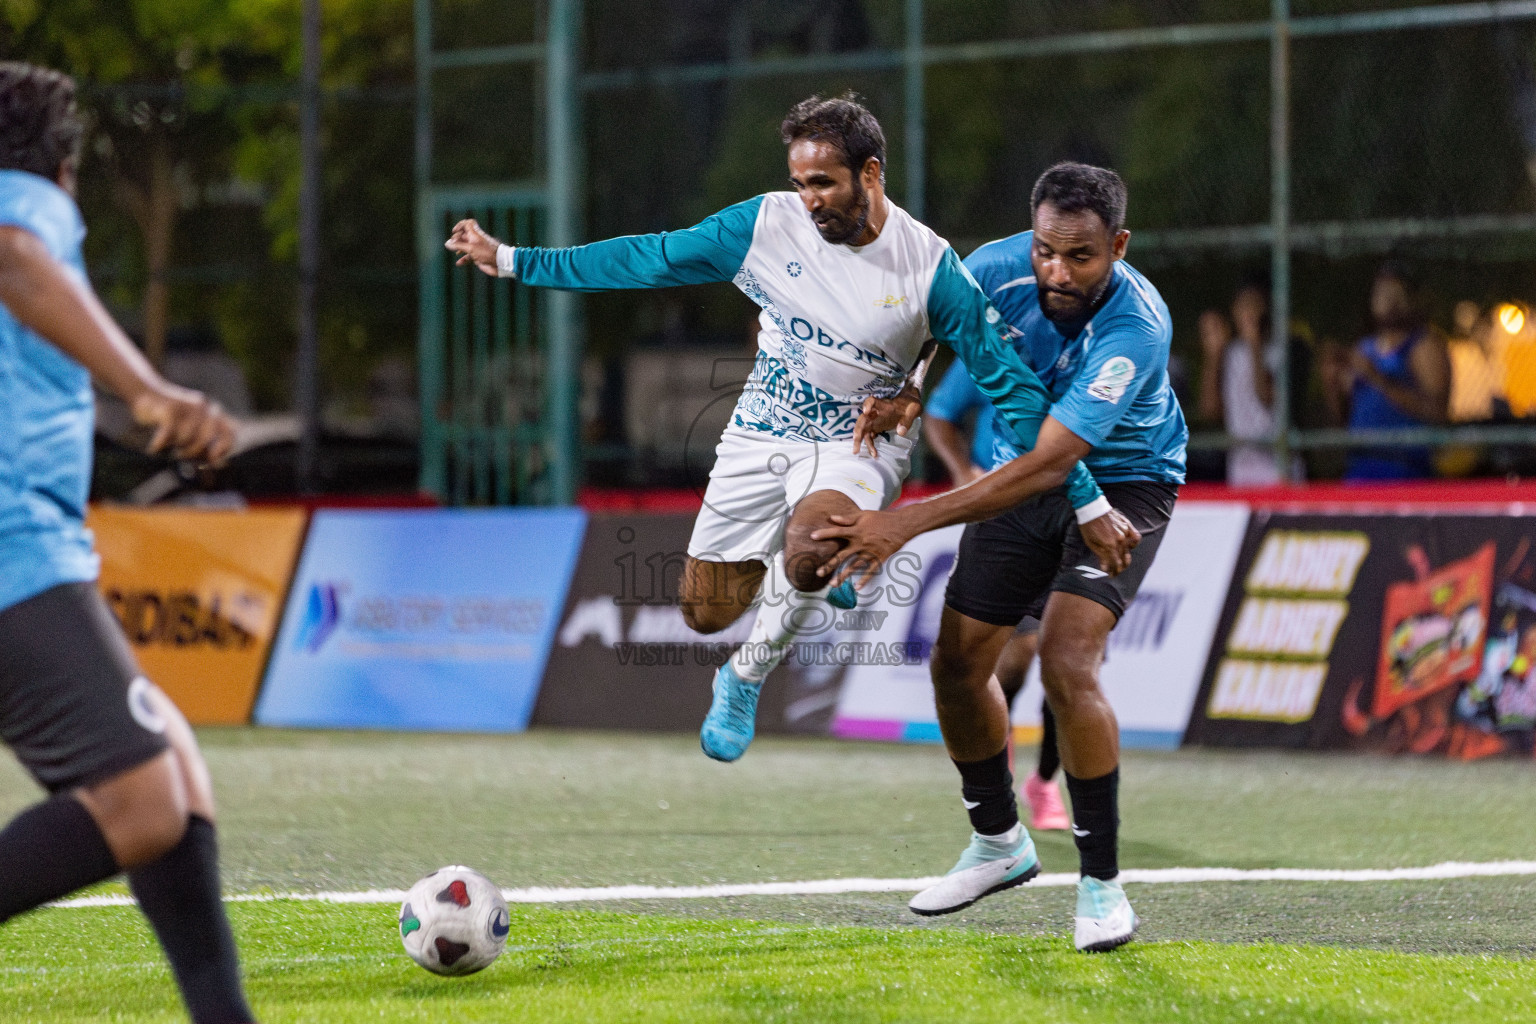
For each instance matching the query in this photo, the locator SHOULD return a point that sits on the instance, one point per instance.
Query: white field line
(834, 886)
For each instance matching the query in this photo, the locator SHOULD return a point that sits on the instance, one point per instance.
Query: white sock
(782, 613)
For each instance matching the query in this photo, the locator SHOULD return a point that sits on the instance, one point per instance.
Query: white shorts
(758, 479)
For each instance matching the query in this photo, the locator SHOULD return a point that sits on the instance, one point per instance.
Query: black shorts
(1009, 564)
(73, 706)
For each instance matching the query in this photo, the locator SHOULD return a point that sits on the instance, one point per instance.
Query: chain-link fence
(1411, 139)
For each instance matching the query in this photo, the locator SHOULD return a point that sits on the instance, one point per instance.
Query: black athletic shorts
(73, 706)
(1009, 564)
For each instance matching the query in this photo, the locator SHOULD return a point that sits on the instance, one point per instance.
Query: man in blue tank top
(1398, 377)
(129, 790)
(1097, 334)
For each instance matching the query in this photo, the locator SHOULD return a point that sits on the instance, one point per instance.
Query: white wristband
(505, 255)
(1094, 509)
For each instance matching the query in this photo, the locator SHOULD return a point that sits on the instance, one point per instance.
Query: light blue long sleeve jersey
(839, 322)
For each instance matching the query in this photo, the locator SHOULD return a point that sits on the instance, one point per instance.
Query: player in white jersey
(852, 289)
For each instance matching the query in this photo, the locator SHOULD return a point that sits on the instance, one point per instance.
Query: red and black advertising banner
(623, 658)
(1391, 633)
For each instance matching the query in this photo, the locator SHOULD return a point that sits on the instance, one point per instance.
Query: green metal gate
(499, 364)
(482, 359)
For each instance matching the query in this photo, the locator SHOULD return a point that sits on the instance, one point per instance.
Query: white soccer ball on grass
(454, 921)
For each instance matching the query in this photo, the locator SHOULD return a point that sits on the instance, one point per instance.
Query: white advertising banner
(1156, 654)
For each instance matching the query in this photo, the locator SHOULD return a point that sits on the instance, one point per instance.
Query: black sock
(49, 850)
(1050, 758)
(179, 893)
(987, 787)
(1096, 823)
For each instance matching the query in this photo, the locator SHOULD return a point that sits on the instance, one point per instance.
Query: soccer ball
(454, 921)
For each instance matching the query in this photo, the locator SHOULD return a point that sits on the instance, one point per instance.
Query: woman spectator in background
(1400, 376)
(1237, 385)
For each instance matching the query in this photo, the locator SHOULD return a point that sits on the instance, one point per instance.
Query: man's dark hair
(842, 121)
(1403, 273)
(40, 127)
(1072, 187)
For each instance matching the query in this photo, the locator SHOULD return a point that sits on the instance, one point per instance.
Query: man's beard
(1079, 310)
(841, 228)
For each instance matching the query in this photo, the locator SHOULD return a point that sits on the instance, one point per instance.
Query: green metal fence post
(564, 176)
(1280, 221)
(434, 470)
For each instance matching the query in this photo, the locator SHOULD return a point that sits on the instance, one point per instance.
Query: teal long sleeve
(710, 251)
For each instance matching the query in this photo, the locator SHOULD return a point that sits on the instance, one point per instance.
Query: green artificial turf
(326, 811)
(308, 962)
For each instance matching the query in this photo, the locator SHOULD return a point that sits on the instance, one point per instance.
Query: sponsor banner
(1389, 633)
(623, 658)
(421, 619)
(199, 593)
(1156, 654)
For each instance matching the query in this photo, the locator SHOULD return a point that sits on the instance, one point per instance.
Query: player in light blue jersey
(851, 290)
(1097, 334)
(129, 790)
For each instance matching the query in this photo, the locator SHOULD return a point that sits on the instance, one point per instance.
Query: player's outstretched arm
(712, 250)
(44, 296)
(869, 538)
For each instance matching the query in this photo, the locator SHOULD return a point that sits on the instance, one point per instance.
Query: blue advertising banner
(421, 619)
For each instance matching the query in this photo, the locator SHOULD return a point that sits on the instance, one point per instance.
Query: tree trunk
(153, 205)
(159, 228)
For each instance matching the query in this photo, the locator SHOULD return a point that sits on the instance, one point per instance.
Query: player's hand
(1112, 538)
(882, 414)
(185, 423)
(869, 539)
(473, 246)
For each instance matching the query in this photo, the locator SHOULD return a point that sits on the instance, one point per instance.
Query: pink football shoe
(1046, 811)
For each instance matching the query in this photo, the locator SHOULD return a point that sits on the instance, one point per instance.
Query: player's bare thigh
(802, 555)
(713, 595)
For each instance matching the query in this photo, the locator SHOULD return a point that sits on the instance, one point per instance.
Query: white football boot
(1104, 918)
(988, 865)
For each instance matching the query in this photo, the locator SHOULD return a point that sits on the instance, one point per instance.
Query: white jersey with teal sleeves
(1108, 381)
(839, 323)
(47, 416)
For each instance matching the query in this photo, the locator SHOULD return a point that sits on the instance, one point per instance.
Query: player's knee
(955, 669)
(803, 556)
(802, 574)
(705, 618)
(142, 813)
(1068, 674)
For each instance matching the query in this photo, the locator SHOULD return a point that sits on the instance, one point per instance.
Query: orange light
(1511, 318)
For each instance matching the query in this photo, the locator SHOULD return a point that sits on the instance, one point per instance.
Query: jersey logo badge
(890, 302)
(1114, 377)
(794, 269)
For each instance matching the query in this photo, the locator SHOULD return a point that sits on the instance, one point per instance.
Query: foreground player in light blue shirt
(851, 290)
(129, 790)
(1097, 333)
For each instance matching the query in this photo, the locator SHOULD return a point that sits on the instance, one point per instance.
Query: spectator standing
(1400, 376)
(1237, 386)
